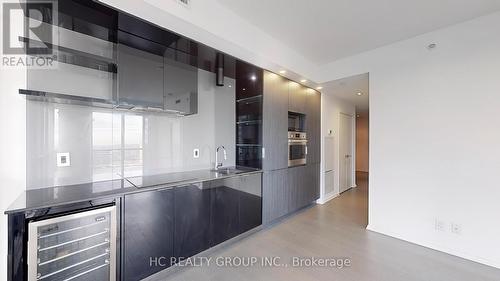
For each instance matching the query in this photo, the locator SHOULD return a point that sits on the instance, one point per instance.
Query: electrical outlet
(63, 159)
(456, 228)
(439, 225)
(196, 153)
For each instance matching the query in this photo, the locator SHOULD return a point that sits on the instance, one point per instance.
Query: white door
(346, 151)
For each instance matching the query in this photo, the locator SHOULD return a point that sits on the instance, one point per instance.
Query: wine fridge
(77, 246)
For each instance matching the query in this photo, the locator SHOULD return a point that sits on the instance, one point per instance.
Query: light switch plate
(196, 153)
(63, 159)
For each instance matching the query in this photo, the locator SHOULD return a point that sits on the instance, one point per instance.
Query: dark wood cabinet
(304, 186)
(192, 220)
(313, 126)
(275, 122)
(312, 184)
(276, 194)
(297, 97)
(148, 232)
(286, 190)
(297, 180)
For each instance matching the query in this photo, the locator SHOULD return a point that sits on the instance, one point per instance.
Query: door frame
(353, 149)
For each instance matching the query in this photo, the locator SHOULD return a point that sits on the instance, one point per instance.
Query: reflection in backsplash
(106, 144)
(117, 145)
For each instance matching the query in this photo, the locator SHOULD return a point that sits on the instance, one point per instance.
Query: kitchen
(143, 143)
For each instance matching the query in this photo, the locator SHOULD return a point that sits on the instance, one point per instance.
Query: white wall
(12, 146)
(331, 108)
(435, 138)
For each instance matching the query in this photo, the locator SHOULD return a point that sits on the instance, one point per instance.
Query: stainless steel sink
(227, 171)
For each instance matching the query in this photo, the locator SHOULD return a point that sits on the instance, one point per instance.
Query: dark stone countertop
(61, 195)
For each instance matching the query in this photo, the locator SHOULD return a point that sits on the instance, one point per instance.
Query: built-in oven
(297, 148)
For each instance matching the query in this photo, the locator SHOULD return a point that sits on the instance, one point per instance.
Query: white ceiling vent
(184, 3)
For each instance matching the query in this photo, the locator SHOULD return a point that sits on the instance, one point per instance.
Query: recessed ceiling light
(319, 88)
(230, 86)
(282, 71)
(253, 77)
(359, 93)
(303, 81)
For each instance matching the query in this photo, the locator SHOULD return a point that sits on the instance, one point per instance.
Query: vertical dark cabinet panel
(249, 109)
(313, 126)
(148, 232)
(236, 206)
(276, 194)
(299, 181)
(249, 87)
(192, 220)
(249, 156)
(249, 80)
(275, 122)
(16, 248)
(297, 95)
(250, 215)
(250, 201)
(312, 185)
(303, 185)
(225, 216)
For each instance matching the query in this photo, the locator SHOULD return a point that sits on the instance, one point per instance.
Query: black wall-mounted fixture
(219, 71)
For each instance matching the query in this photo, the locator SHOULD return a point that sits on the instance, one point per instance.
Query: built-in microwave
(296, 122)
(297, 148)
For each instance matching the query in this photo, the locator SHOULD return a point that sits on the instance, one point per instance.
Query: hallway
(337, 229)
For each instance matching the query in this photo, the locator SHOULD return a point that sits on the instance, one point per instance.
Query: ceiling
(347, 89)
(327, 30)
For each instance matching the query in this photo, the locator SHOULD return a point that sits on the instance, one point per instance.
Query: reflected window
(117, 143)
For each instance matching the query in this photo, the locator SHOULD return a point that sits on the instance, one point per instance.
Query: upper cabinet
(147, 81)
(107, 58)
(297, 95)
(153, 74)
(84, 71)
(140, 78)
(249, 80)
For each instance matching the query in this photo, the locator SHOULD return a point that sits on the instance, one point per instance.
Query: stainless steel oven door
(297, 152)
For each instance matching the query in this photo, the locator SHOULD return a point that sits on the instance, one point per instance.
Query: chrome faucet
(217, 164)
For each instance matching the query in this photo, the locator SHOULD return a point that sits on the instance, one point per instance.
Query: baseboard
(435, 247)
(327, 198)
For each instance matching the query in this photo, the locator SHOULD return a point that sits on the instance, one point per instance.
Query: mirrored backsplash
(71, 144)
